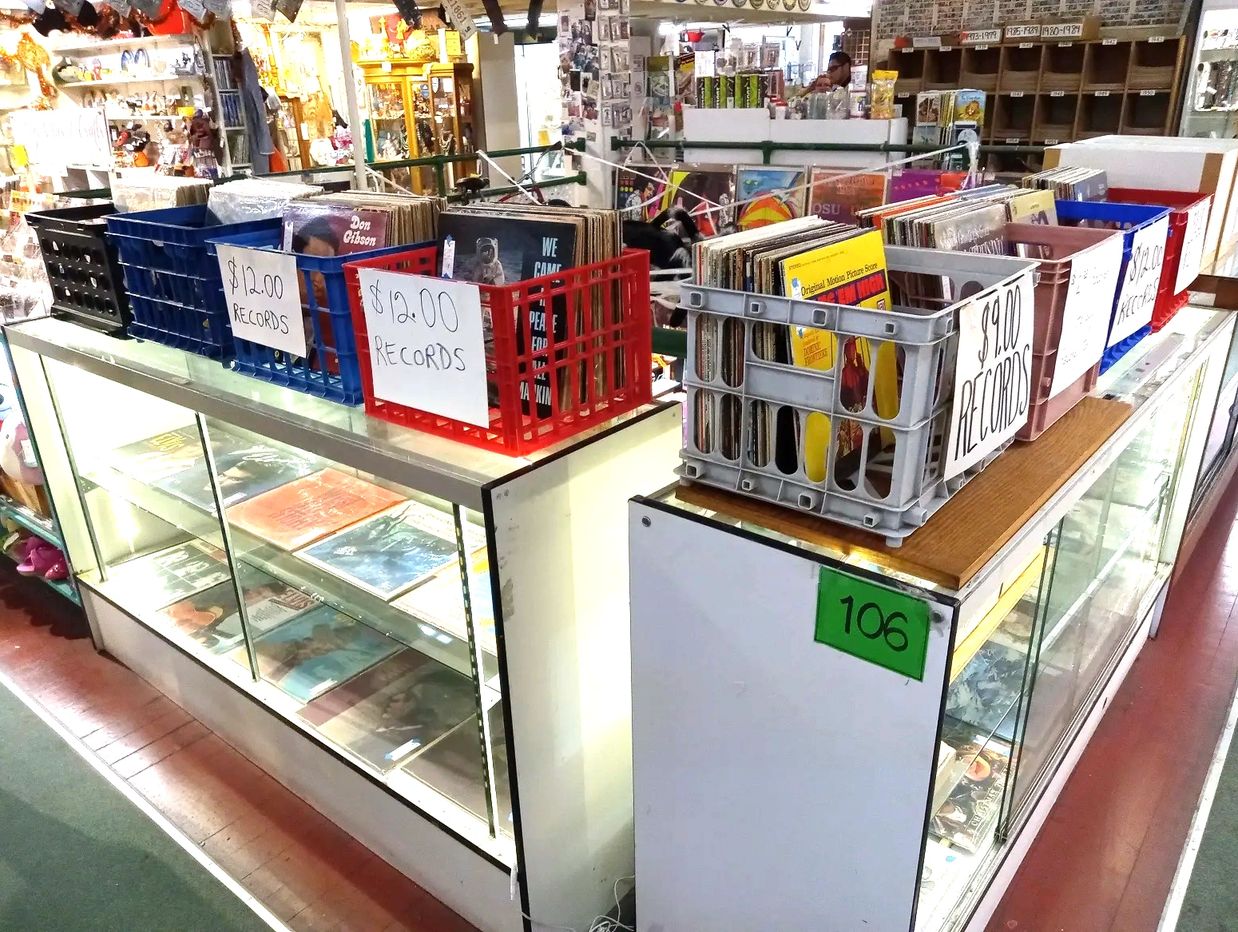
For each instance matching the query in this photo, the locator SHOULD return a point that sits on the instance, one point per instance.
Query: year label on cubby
(874, 623)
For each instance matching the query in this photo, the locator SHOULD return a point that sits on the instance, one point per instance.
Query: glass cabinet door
(988, 678)
(359, 609)
(388, 108)
(1105, 564)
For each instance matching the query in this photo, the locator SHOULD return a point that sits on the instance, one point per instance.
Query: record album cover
(212, 618)
(156, 579)
(969, 814)
(393, 550)
(769, 195)
(324, 229)
(453, 765)
(395, 708)
(440, 601)
(242, 471)
(306, 509)
(317, 650)
(699, 191)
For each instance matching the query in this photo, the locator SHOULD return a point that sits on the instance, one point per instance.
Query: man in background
(837, 74)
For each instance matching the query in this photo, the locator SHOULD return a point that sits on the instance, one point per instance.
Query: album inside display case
(343, 573)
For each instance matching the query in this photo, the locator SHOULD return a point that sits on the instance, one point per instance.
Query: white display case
(833, 734)
(426, 641)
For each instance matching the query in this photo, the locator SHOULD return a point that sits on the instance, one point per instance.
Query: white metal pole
(350, 91)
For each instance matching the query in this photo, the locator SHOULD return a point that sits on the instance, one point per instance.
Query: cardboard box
(1157, 163)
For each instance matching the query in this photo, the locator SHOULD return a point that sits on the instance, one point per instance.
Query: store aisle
(1211, 902)
(1106, 856)
(302, 867)
(76, 854)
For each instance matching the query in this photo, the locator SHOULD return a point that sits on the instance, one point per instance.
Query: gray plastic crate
(889, 479)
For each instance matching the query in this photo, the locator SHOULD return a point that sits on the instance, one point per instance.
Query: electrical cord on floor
(600, 923)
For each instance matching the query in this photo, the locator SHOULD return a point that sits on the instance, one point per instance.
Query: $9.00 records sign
(992, 373)
(425, 343)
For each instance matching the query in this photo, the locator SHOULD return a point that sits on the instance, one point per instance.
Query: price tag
(982, 48)
(992, 373)
(425, 343)
(1013, 140)
(1052, 142)
(1065, 45)
(263, 9)
(1085, 316)
(461, 18)
(1016, 93)
(262, 291)
(1027, 45)
(1141, 281)
(1156, 39)
(882, 626)
(1191, 256)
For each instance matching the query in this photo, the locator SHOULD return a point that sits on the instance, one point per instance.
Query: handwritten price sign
(1142, 279)
(1190, 257)
(1089, 304)
(992, 373)
(264, 300)
(425, 343)
(880, 625)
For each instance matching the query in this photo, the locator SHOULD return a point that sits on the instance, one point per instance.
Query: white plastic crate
(882, 472)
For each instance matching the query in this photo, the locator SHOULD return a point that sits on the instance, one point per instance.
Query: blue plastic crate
(173, 279)
(1110, 216)
(331, 369)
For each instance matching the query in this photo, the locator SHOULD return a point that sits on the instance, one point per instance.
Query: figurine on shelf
(202, 135)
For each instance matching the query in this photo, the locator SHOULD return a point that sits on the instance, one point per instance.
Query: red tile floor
(1104, 860)
(305, 869)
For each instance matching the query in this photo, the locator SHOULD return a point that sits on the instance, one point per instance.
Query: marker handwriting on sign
(992, 375)
(429, 308)
(262, 297)
(999, 393)
(425, 343)
(1140, 282)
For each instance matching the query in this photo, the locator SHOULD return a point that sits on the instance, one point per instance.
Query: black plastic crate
(82, 266)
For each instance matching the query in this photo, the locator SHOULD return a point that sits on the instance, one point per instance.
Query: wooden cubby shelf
(1054, 92)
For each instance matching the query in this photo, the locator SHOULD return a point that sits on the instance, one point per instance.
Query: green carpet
(75, 854)
(1211, 903)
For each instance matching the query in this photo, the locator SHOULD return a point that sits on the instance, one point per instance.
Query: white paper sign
(1191, 255)
(461, 18)
(1089, 305)
(1142, 279)
(425, 343)
(992, 373)
(261, 288)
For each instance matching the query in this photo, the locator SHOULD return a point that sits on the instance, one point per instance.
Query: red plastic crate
(1167, 302)
(600, 364)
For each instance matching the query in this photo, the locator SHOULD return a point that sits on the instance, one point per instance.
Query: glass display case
(883, 795)
(410, 610)
(418, 110)
(1210, 108)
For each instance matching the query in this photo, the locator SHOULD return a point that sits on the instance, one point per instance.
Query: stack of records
(806, 259)
(958, 224)
(349, 222)
(502, 244)
(142, 191)
(1071, 184)
(254, 199)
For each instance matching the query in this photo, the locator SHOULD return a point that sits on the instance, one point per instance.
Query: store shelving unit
(1054, 92)
(467, 793)
(1031, 593)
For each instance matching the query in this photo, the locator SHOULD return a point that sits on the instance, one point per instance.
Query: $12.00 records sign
(992, 373)
(263, 296)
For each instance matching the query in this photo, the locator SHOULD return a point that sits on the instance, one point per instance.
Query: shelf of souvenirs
(104, 46)
(124, 81)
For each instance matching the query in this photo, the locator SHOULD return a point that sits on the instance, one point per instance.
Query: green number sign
(880, 625)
